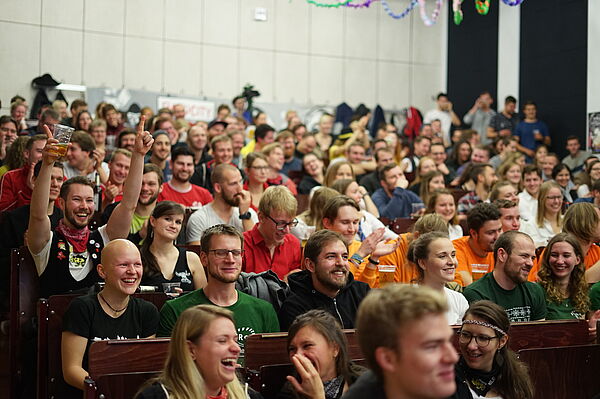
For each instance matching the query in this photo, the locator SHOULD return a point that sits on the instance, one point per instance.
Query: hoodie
(305, 297)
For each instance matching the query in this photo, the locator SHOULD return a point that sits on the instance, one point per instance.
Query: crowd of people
(504, 232)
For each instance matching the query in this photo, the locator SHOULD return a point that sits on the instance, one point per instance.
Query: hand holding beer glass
(58, 142)
(63, 135)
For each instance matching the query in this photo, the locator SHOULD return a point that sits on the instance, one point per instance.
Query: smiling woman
(110, 314)
(487, 367)
(318, 350)
(435, 258)
(202, 359)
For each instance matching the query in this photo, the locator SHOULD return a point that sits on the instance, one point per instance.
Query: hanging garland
(328, 5)
(403, 14)
(366, 4)
(482, 7)
(434, 16)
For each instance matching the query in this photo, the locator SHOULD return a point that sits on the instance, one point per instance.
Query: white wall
(593, 84)
(302, 54)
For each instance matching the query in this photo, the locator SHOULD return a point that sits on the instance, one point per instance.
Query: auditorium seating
(564, 372)
(24, 292)
(267, 361)
(50, 382)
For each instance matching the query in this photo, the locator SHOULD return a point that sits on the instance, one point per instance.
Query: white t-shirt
(444, 118)
(206, 217)
(527, 206)
(475, 396)
(80, 264)
(457, 306)
(539, 235)
(455, 231)
(72, 172)
(369, 223)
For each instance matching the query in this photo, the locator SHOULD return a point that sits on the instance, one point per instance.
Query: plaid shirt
(467, 201)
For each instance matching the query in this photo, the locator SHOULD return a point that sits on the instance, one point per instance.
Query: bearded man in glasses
(222, 248)
(270, 245)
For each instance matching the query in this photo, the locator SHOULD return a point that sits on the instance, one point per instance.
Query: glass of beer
(386, 274)
(63, 134)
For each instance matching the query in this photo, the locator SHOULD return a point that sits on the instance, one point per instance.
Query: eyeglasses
(282, 225)
(482, 341)
(554, 197)
(223, 253)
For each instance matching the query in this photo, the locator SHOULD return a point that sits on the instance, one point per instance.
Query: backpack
(266, 286)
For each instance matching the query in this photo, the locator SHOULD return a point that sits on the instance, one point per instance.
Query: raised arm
(38, 232)
(119, 222)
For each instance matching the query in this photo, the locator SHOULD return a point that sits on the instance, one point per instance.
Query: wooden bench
(399, 225)
(50, 382)
(118, 368)
(564, 372)
(24, 292)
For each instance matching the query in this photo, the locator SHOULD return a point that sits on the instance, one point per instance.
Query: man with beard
(179, 189)
(291, 162)
(474, 252)
(507, 285)
(66, 259)
(221, 252)
(222, 152)
(326, 283)
(151, 186)
(231, 205)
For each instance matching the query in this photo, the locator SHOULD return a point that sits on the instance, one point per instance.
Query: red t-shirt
(14, 191)
(194, 196)
(257, 257)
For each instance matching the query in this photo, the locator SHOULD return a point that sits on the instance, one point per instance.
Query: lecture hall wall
(301, 55)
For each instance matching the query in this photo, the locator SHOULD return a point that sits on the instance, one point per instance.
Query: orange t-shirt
(592, 257)
(404, 271)
(469, 262)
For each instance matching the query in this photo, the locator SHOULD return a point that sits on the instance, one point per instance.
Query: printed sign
(195, 110)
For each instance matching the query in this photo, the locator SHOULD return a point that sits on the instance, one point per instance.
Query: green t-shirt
(137, 222)
(595, 296)
(252, 315)
(562, 311)
(526, 302)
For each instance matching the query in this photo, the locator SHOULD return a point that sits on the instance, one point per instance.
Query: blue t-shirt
(526, 131)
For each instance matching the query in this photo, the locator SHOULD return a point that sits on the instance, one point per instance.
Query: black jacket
(304, 298)
(367, 386)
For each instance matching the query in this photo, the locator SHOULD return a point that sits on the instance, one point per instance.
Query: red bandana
(78, 238)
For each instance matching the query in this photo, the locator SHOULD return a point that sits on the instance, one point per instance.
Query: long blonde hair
(541, 213)
(181, 376)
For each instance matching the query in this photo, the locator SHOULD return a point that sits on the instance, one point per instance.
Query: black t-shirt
(86, 318)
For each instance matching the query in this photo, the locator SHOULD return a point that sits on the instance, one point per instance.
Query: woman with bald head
(110, 314)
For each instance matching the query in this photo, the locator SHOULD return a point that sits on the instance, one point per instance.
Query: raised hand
(384, 248)
(370, 243)
(143, 139)
(110, 192)
(311, 386)
(245, 200)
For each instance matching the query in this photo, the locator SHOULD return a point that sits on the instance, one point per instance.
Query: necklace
(111, 308)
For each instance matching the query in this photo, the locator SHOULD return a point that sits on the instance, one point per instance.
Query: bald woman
(111, 314)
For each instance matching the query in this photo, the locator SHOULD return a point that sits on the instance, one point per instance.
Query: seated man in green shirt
(507, 285)
(221, 253)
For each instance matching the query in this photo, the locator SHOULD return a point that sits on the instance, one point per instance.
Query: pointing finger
(48, 131)
(140, 127)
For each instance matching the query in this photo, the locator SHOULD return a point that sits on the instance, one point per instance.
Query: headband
(484, 324)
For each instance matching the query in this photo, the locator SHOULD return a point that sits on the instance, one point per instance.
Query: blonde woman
(548, 221)
(310, 219)
(202, 359)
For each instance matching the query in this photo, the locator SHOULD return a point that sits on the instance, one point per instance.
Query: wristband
(356, 259)
(373, 261)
